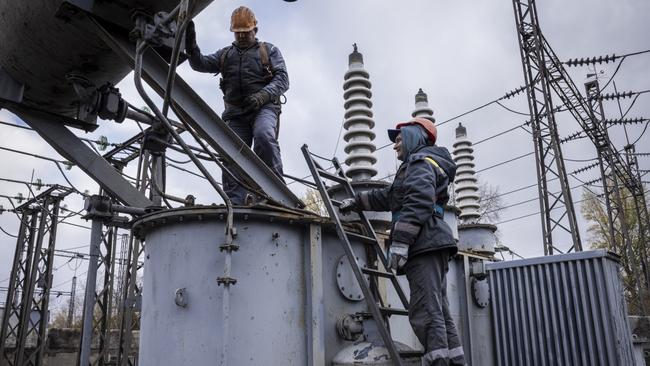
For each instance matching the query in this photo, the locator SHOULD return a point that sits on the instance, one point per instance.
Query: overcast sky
(462, 53)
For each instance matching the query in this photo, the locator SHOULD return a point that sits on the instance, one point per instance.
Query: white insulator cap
(465, 184)
(422, 107)
(358, 122)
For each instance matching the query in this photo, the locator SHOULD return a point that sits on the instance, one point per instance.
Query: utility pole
(73, 294)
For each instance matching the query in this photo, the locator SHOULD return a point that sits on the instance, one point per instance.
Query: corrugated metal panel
(560, 310)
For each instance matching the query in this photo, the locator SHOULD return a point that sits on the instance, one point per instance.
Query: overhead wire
(7, 233)
(538, 212)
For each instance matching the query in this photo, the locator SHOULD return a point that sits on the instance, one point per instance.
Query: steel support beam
(73, 149)
(315, 300)
(90, 298)
(98, 302)
(189, 107)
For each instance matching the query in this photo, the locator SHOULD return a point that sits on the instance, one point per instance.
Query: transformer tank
(42, 51)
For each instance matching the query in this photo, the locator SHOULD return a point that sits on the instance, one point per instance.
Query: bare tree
(491, 203)
(490, 200)
(314, 202)
(594, 211)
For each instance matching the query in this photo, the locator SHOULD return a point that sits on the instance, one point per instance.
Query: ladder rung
(363, 238)
(411, 353)
(378, 273)
(393, 311)
(331, 176)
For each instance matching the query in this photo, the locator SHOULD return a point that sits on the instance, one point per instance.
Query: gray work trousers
(258, 129)
(429, 309)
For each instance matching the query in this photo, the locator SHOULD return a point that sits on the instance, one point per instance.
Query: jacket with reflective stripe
(420, 184)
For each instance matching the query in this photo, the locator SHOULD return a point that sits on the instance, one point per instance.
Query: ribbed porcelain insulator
(358, 122)
(465, 185)
(422, 107)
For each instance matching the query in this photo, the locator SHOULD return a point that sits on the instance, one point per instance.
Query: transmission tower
(73, 294)
(641, 210)
(24, 322)
(548, 154)
(545, 71)
(618, 226)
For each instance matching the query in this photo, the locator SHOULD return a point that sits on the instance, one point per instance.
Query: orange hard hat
(428, 126)
(242, 20)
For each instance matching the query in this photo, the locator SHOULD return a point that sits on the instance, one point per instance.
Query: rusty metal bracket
(226, 281)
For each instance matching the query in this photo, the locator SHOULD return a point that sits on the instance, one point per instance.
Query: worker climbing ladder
(379, 311)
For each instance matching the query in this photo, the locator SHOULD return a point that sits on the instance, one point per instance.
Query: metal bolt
(180, 298)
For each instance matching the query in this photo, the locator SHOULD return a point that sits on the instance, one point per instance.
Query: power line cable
(34, 155)
(8, 234)
(538, 212)
(506, 162)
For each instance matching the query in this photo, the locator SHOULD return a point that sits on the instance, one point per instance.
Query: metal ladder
(377, 308)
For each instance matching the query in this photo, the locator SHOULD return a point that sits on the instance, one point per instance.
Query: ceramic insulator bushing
(465, 184)
(358, 121)
(422, 107)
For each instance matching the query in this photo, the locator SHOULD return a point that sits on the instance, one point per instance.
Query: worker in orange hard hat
(421, 243)
(253, 79)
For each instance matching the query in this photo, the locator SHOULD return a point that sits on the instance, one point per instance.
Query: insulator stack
(422, 107)
(358, 120)
(465, 185)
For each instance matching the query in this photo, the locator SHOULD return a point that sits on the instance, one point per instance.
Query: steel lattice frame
(128, 318)
(538, 56)
(641, 210)
(26, 315)
(548, 153)
(618, 227)
(99, 306)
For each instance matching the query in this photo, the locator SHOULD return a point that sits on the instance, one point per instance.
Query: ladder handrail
(371, 301)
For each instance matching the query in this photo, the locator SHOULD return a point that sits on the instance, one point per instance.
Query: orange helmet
(428, 126)
(242, 20)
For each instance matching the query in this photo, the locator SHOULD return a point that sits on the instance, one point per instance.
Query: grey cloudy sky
(462, 53)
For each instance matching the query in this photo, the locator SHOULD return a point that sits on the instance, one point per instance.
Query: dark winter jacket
(243, 74)
(416, 198)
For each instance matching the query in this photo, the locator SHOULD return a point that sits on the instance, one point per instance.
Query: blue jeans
(258, 129)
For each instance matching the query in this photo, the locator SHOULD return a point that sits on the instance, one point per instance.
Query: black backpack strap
(264, 58)
(222, 59)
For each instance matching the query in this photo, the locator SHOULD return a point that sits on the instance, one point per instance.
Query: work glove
(398, 253)
(190, 39)
(255, 101)
(348, 205)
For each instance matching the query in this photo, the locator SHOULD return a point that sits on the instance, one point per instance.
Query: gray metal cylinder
(267, 302)
(291, 288)
(480, 238)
